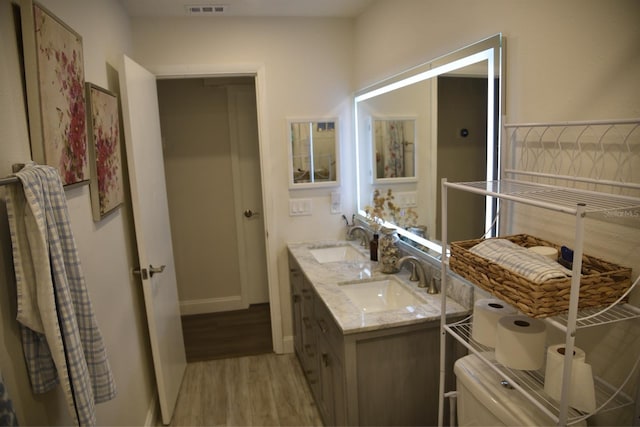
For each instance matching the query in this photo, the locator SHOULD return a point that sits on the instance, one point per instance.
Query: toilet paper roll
(547, 251)
(581, 390)
(486, 313)
(520, 342)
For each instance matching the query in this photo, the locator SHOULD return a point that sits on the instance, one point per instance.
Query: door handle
(142, 272)
(153, 270)
(145, 274)
(249, 213)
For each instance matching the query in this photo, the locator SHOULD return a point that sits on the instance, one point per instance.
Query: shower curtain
(393, 148)
(301, 148)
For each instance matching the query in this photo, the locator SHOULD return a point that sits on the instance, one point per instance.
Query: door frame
(258, 72)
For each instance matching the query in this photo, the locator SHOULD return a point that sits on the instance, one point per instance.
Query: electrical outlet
(336, 202)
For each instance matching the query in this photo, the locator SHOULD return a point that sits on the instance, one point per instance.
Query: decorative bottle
(389, 251)
(373, 247)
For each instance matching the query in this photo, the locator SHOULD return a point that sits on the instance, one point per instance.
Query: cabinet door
(331, 401)
(325, 399)
(330, 350)
(308, 336)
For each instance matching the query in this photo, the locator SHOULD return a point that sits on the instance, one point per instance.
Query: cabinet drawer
(295, 276)
(327, 326)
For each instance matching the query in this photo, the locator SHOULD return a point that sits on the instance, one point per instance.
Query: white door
(248, 192)
(153, 233)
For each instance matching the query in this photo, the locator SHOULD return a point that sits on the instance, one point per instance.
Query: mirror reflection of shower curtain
(301, 134)
(393, 141)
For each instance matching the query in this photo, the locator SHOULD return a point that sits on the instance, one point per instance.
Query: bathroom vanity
(368, 343)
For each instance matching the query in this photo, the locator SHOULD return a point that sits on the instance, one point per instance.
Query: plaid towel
(60, 336)
(528, 264)
(7, 414)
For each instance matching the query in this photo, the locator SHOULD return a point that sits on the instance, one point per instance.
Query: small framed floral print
(104, 151)
(54, 70)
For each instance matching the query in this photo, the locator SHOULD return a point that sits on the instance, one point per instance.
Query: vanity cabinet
(305, 342)
(317, 343)
(385, 376)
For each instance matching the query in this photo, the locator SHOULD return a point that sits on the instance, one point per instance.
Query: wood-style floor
(233, 378)
(261, 390)
(227, 334)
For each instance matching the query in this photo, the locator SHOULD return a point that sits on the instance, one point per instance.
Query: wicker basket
(601, 283)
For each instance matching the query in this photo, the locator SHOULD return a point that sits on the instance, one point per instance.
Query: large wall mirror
(450, 110)
(313, 151)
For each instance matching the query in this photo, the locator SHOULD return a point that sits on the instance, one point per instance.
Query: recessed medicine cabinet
(313, 147)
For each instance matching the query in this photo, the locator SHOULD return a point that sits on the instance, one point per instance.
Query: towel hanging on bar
(60, 337)
(7, 413)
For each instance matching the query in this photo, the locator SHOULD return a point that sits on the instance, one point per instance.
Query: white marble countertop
(326, 279)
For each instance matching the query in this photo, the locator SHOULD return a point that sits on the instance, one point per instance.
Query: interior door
(243, 129)
(153, 233)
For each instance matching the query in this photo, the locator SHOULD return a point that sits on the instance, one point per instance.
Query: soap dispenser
(373, 247)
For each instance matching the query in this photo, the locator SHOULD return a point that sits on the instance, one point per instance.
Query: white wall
(105, 248)
(569, 60)
(307, 69)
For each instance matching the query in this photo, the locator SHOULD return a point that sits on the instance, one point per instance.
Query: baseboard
(211, 305)
(287, 344)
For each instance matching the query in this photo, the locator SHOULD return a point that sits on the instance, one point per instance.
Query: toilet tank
(484, 401)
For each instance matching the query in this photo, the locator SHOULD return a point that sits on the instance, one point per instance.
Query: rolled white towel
(534, 267)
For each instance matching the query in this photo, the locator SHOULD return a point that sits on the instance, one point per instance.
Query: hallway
(227, 334)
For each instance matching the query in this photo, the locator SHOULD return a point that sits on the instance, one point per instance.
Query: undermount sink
(377, 295)
(336, 254)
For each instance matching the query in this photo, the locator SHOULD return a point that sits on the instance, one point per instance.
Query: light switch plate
(407, 199)
(298, 207)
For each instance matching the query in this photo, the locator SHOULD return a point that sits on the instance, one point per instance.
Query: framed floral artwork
(104, 150)
(54, 71)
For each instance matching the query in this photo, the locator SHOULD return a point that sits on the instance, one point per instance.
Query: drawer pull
(323, 326)
(307, 323)
(325, 359)
(309, 350)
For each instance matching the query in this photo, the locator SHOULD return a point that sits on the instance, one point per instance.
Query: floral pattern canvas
(104, 147)
(62, 99)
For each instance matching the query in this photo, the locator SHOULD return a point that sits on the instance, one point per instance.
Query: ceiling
(221, 8)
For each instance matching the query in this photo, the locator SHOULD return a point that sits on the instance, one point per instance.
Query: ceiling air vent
(206, 9)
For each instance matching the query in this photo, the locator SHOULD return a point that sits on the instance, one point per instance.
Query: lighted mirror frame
(374, 151)
(332, 161)
(489, 50)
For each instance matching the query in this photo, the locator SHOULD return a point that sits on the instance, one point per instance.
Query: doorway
(462, 151)
(212, 165)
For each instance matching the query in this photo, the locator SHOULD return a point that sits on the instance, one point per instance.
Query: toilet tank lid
(508, 405)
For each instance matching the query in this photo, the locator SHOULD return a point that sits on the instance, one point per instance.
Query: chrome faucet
(364, 241)
(422, 277)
